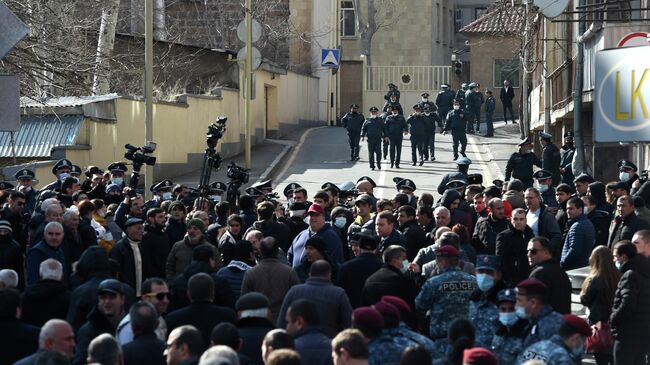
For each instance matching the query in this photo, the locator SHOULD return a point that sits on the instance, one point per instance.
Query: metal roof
(39, 134)
(65, 101)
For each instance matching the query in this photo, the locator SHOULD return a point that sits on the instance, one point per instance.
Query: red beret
(479, 356)
(447, 251)
(367, 318)
(387, 309)
(578, 324)
(398, 302)
(531, 286)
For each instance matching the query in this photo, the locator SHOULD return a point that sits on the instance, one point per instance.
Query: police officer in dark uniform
(457, 124)
(424, 102)
(546, 190)
(396, 127)
(24, 180)
(94, 185)
(460, 95)
(373, 129)
(444, 101)
(407, 187)
(217, 191)
(161, 191)
(417, 124)
(117, 170)
(392, 104)
(432, 123)
(61, 170)
(264, 186)
(550, 157)
(520, 165)
(288, 192)
(473, 102)
(353, 121)
(75, 171)
(463, 167)
(392, 91)
(566, 158)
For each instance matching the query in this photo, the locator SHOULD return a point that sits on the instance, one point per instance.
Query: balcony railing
(407, 78)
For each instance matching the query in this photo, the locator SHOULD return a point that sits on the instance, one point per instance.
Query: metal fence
(407, 78)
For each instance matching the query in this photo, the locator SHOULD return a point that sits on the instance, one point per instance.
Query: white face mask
(624, 176)
(405, 266)
(456, 107)
(340, 222)
(297, 213)
(215, 198)
(425, 100)
(586, 210)
(117, 180)
(541, 187)
(167, 195)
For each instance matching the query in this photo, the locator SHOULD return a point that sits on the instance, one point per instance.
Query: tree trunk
(105, 45)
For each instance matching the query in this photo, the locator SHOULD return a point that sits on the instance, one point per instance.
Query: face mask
(508, 319)
(102, 214)
(624, 176)
(586, 210)
(395, 112)
(340, 222)
(216, 198)
(425, 100)
(167, 196)
(117, 180)
(427, 114)
(63, 175)
(25, 189)
(618, 265)
(542, 188)
(298, 213)
(578, 351)
(485, 282)
(456, 107)
(521, 312)
(405, 266)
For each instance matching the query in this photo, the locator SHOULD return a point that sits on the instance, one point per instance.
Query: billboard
(622, 95)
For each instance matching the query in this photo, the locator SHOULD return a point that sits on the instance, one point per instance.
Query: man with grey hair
(428, 254)
(52, 211)
(49, 289)
(8, 279)
(55, 335)
(105, 350)
(219, 355)
(48, 248)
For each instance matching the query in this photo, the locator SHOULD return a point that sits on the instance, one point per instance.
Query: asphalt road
(323, 156)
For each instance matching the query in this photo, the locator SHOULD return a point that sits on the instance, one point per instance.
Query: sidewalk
(266, 158)
(494, 152)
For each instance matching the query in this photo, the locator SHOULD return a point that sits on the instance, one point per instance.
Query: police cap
(93, 170)
(525, 142)
(531, 287)
(24, 174)
(584, 178)
(75, 170)
(542, 175)
(463, 161)
(5, 185)
(218, 186)
(546, 136)
(368, 179)
(253, 192)
(417, 107)
(456, 184)
(475, 179)
(463, 85)
(290, 188)
(490, 262)
(498, 183)
(390, 84)
(62, 163)
(117, 167)
(507, 295)
(425, 95)
(472, 85)
(444, 86)
(578, 324)
(331, 187)
(373, 109)
(406, 184)
(354, 106)
(163, 185)
(266, 184)
(625, 164)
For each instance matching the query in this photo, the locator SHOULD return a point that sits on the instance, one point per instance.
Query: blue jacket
(313, 346)
(332, 239)
(579, 242)
(234, 275)
(41, 252)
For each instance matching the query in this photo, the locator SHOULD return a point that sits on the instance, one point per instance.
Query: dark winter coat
(313, 346)
(512, 246)
(579, 242)
(202, 315)
(175, 230)
(484, 239)
(222, 292)
(558, 284)
(601, 220)
(631, 310)
(252, 331)
(388, 281)
(156, 246)
(44, 300)
(594, 299)
(234, 275)
(17, 340)
(548, 227)
(145, 349)
(277, 230)
(11, 257)
(624, 228)
(123, 254)
(415, 238)
(96, 325)
(352, 275)
(41, 252)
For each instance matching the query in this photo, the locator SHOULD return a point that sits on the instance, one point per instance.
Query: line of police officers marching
(454, 113)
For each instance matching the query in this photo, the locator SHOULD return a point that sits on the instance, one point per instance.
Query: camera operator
(117, 170)
(161, 191)
(130, 207)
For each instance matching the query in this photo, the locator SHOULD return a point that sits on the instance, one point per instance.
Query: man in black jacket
(626, 223)
(253, 324)
(550, 156)
(201, 313)
(131, 255)
(511, 245)
(268, 227)
(548, 271)
(630, 317)
(145, 348)
(506, 96)
(391, 279)
(49, 289)
(17, 339)
(409, 227)
(487, 228)
(175, 226)
(353, 274)
(103, 318)
(155, 243)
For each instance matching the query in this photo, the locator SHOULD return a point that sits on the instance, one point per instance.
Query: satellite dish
(551, 8)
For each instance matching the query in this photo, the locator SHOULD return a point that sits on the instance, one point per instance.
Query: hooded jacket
(631, 310)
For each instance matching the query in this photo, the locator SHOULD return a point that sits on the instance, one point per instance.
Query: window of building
(348, 19)
(449, 28)
(459, 19)
(506, 69)
(438, 22)
(478, 12)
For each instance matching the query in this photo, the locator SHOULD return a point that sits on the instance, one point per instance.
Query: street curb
(274, 166)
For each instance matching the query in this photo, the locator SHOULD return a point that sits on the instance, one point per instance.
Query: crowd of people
(93, 273)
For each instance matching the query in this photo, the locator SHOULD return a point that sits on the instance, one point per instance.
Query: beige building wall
(299, 47)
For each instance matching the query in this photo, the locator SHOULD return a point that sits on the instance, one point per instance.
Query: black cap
(525, 142)
(24, 174)
(542, 175)
(367, 242)
(117, 166)
(425, 95)
(5, 185)
(266, 184)
(368, 179)
(290, 188)
(406, 183)
(626, 164)
(475, 179)
(417, 107)
(354, 106)
(373, 109)
(110, 286)
(498, 183)
(61, 164)
(363, 198)
(218, 186)
(93, 170)
(75, 170)
(165, 184)
(331, 186)
(584, 178)
(252, 300)
(253, 192)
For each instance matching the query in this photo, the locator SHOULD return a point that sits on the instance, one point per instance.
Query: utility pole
(578, 164)
(248, 88)
(547, 81)
(525, 127)
(148, 89)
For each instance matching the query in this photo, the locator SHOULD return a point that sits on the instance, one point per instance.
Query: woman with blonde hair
(598, 290)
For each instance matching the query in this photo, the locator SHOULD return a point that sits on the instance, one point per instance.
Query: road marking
(382, 180)
(295, 152)
(487, 174)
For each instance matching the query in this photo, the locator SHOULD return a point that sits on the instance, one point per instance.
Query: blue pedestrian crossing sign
(330, 57)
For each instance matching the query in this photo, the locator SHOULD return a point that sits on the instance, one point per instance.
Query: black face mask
(5, 238)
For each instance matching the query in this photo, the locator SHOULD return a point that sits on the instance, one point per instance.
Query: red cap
(531, 286)
(315, 208)
(367, 318)
(447, 251)
(479, 356)
(386, 309)
(578, 324)
(398, 302)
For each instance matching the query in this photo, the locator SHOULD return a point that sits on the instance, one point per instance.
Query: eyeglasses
(159, 296)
